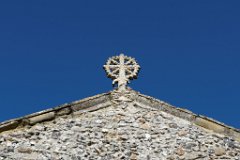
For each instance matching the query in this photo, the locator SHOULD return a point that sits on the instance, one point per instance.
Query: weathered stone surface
(219, 151)
(8, 126)
(180, 151)
(120, 131)
(64, 111)
(182, 133)
(42, 117)
(97, 128)
(209, 125)
(104, 100)
(24, 150)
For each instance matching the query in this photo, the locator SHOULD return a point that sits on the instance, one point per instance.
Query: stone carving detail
(121, 69)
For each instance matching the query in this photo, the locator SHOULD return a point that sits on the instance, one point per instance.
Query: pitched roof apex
(107, 99)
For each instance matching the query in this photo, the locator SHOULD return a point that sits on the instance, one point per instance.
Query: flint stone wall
(127, 131)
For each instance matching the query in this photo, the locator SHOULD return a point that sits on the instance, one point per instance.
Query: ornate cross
(121, 69)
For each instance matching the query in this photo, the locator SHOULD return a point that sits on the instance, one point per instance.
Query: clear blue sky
(52, 52)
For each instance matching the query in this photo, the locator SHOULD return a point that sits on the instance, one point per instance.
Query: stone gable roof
(98, 128)
(104, 100)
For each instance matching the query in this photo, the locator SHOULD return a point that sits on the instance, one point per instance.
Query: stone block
(8, 126)
(64, 111)
(205, 123)
(234, 134)
(41, 118)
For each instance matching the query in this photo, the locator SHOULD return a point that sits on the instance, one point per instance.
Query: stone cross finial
(121, 69)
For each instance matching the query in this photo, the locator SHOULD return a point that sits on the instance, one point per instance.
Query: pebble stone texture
(124, 131)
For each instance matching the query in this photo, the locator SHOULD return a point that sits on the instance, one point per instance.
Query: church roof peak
(95, 126)
(121, 69)
(111, 98)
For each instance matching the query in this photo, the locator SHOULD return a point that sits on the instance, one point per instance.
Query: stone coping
(103, 100)
(199, 120)
(52, 113)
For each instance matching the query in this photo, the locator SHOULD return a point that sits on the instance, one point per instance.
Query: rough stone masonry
(125, 131)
